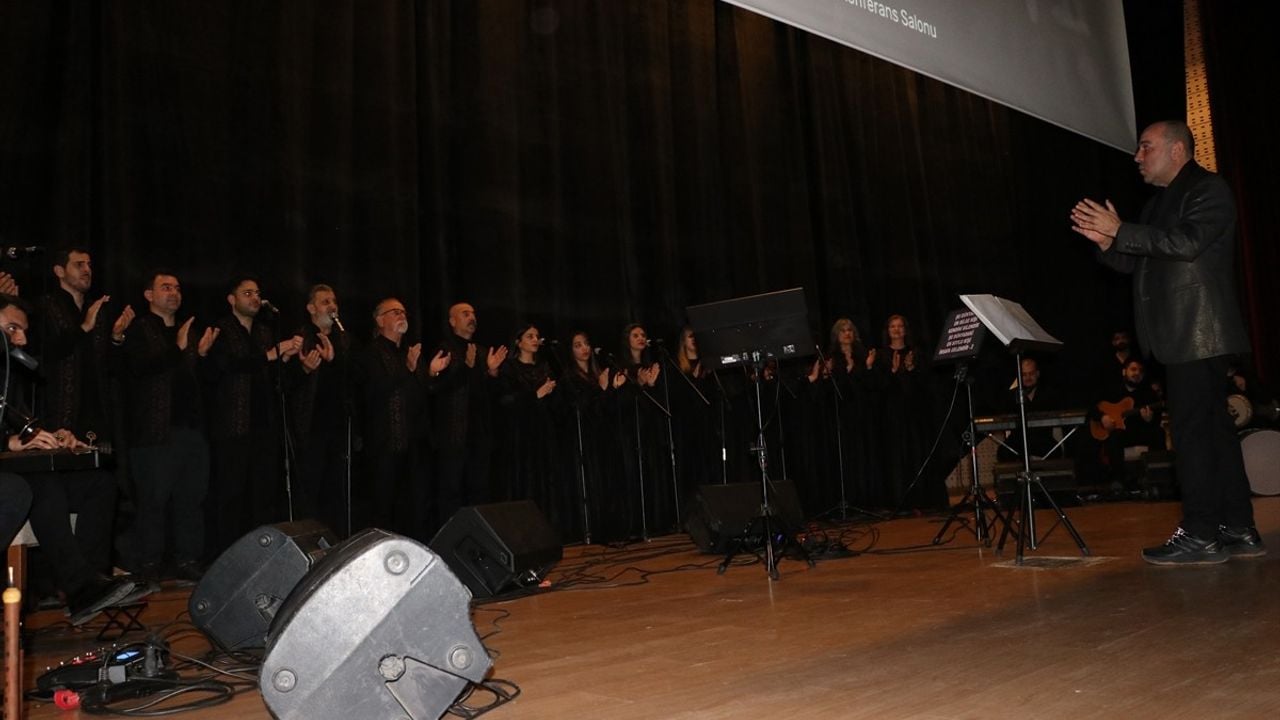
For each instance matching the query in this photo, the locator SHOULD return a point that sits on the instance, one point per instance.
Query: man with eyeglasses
(395, 379)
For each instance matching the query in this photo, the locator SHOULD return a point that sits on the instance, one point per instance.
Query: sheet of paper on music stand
(1010, 323)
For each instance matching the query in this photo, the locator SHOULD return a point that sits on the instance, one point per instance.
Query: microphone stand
(724, 441)
(635, 402)
(667, 413)
(565, 370)
(285, 438)
(347, 409)
(644, 519)
(671, 443)
(777, 410)
(838, 398)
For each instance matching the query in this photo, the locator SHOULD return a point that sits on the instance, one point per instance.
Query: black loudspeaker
(721, 513)
(244, 588)
(380, 628)
(493, 548)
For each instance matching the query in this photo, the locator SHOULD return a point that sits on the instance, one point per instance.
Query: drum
(1240, 410)
(1261, 449)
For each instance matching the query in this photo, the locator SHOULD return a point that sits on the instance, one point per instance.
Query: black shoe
(1185, 549)
(93, 598)
(1241, 542)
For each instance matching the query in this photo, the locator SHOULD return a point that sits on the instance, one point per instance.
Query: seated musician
(1126, 423)
(1040, 398)
(80, 558)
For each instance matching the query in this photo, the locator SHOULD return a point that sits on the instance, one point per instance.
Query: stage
(900, 629)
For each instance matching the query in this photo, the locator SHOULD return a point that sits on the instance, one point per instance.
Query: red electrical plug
(66, 699)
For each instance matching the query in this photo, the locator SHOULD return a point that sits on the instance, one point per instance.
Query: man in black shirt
(168, 453)
(319, 410)
(1039, 398)
(462, 415)
(244, 419)
(1181, 254)
(397, 495)
(73, 349)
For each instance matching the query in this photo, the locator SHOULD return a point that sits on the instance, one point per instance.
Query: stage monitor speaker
(494, 548)
(243, 589)
(721, 513)
(380, 628)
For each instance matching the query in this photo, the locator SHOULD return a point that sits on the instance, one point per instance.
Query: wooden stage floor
(901, 630)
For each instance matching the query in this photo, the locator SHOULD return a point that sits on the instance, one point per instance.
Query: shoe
(99, 594)
(1186, 549)
(187, 572)
(1241, 542)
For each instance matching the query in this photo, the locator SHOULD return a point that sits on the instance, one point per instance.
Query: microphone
(337, 323)
(266, 305)
(17, 252)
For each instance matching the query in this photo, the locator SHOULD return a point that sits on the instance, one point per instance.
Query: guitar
(1117, 411)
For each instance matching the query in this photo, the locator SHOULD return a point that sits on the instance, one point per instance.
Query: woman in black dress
(643, 438)
(907, 416)
(526, 467)
(590, 461)
(695, 414)
(851, 369)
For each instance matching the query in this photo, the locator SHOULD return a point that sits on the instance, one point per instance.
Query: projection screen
(1063, 61)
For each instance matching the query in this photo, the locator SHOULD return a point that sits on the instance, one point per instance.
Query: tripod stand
(975, 499)
(774, 534)
(1028, 482)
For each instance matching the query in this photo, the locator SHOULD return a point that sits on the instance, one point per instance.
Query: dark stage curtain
(580, 163)
(1243, 81)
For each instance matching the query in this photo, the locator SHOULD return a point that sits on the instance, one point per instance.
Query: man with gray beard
(396, 493)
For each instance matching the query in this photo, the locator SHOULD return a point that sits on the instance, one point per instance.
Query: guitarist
(1129, 418)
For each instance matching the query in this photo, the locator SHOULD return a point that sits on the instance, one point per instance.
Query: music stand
(751, 331)
(1019, 332)
(962, 338)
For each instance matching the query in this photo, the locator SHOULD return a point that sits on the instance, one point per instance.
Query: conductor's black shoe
(1186, 549)
(1241, 542)
(99, 594)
